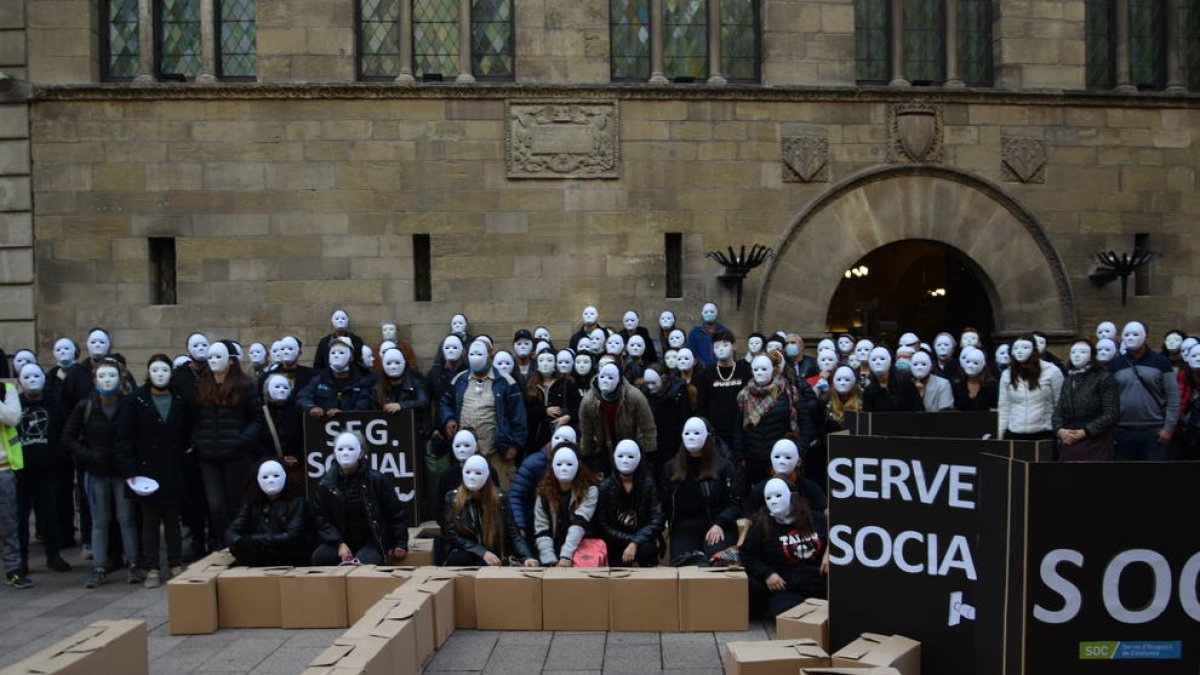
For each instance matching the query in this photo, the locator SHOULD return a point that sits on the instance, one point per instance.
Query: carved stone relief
(562, 139)
(915, 132)
(805, 159)
(1023, 159)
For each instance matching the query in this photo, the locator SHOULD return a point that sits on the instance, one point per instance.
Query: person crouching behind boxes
(274, 526)
(478, 527)
(784, 552)
(359, 516)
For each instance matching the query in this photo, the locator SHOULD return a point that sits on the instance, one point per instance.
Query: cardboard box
(643, 599)
(872, 649)
(713, 599)
(464, 596)
(508, 598)
(849, 671)
(439, 584)
(417, 608)
(809, 619)
(192, 602)
(314, 597)
(365, 586)
(575, 599)
(420, 546)
(773, 657)
(248, 597)
(400, 633)
(217, 560)
(107, 647)
(365, 655)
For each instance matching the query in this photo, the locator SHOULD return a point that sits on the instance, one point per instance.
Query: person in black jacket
(282, 431)
(340, 321)
(402, 388)
(1087, 409)
(359, 516)
(767, 410)
(274, 526)
(671, 406)
(154, 425)
(340, 387)
(477, 525)
(887, 390)
(717, 386)
(40, 481)
(629, 515)
(783, 553)
(703, 494)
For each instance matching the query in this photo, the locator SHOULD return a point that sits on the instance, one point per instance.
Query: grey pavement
(59, 606)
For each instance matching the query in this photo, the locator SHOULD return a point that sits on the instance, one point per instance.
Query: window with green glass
(178, 33)
(121, 43)
(629, 38)
(1099, 33)
(739, 40)
(1189, 43)
(924, 41)
(871, 30)
(492, 39)
(1147, 43)
(975, 42)
(685, 39)
(237, 54)
(435, 38)
(378, 39)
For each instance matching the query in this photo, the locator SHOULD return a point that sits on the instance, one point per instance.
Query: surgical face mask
(904, 365)
(107, 380)
(393, 363)
(590, 315)
(583, 364)
(695, 435)
(969, 339)
(1002, 356)
(636, 346)
(33, 380)
(475, 473)
(339, 358)
(1173, 341)
(271, 478)
(477, 357)
(1193, 358)
(458, 324)
(279, 388)
(504, 363)
(778, 498)
(545, 364)
(347, 450)
(464, 445)
(1041, 343)
(340, 320)
(563, 434)
(653, 381)
(566, 465)
(626, 457)
(1021, 350)
(1107, 330)
(972, 361)
(774, 346)
(684, 360)
(608, 379)
(722, 350)
(541, 333)
(843, 380)
(784, 457)
(827, 361)
(614, 345)
(671, 358)
(1081, 355)
(880, 361)
(630, 321)
(1133, 336)
(197, 347)
(709, 313)
(763, 370)
(943, 345)
(863, 350)
(289, 350)
(676, 339)
(921, 365)
(64, 352)
(565, 362)
(258, 354)
(160, 374)
(388, 331)
(218, 358)
(1106, 349)
(23, 358)
(452, 349)
(98, 344)
(754, 345)
(666, 320)
(791, 350)
(845, 345)
(523, 347)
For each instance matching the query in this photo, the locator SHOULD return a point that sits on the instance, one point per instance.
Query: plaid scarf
(756, 400)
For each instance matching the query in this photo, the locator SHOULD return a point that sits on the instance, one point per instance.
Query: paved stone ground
(59, 605)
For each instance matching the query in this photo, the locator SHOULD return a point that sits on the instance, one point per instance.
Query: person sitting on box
(477, 525)
(564, 508)
(629, 515)
(784, 553)
(702, 493)
(274, 526)
(359, 516)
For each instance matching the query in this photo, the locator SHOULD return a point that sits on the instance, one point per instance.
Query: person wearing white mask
(611, 411)
(671, 405)
(787, 465)
(861, 357)
(451, 360)
(1188, 434)
(975, 389)
(1106, 330)
(768, 409)
(66, 353)
(39, 479)
(755, 345)
(399, 387)
(1172, 348)
(845, 397)
(629, 516)
(889, 390)
(564, 507)
(666, 325)
(635, 358)
(273, 527)
(827, 363)
(590, 324)
(476, 524)
(359, 516)
(289, 365)
(154, 426)
(523, 350)
(340, 321)
(845, 347)
(282, 432)
(703, 493)
(78, 384)
(390, 337)
(258, 359)
(945, 364)
(784, 552)
(568, 389)
(541, 415)
(1106, 351)
(936, 393)
(685, 364)
(631, 325)
(1086, 411)
(717, 387)
(1029, 390)
(1149, 396)
(339, 386)
(1002, 357)
(524, 487)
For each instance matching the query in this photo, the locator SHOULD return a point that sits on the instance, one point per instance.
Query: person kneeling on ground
(273, 526)
(783, 553)
(479, 530)
(359, 516)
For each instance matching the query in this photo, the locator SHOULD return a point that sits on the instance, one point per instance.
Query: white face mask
(708, 313)
(33, 380)
(598, 337)
(763, 370)
(64, 352)
(340, 320)
(863, 350)
(827, 360)
(880, 361)
(845, 344)
(1081, 355)
(563, 434)
(1173, 341)
(565, 362)
(1002, 356)
(452, 349)
(98, 344)
(347, 450)
(258, 354)
(1133, 336)
(388, 332)
(972, 361)
(271, 478)
(160, 374)
(754, 345)
(504, 362)
(778, 498)
(671, 358)
(908, 340)
(1107, 330)
(23, 358)
(626, 457)
(545, 364)
(969, 340)
(583, 364)
(614, 345)
(107, 380)
(666, 320)
(477, 357)
(684, 360)
(566, 465)
(197, 347)
(637, 346)
(464, 445)
(774, 346)
(695, 435)
(784, 457)
(943, 346)
(1021, 350)
(1193, 357)
(339, 358)
(921, 365)
(630, 320)
(608, 379)
(843, 380)
(218, 358)
(279, 388)
(590, 315)
(393, 363)
(722, 350)
(458, 324)
(1187, 344)
(541, 333)
(475, 473)
(523, 347)
(1040, 342)
(368, 357)
(181, 360)
(289, 350)
(653, 381)
(1106, 349)
(676, 339)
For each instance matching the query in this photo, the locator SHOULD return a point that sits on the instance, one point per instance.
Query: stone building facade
(257, 206)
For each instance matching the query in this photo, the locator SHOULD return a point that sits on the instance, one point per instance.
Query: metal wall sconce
(1113, 266)
(738, 265)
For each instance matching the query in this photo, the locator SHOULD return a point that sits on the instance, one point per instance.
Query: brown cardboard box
(248, 597)
(643, 599)
(365, 585)
(107, 647)
(420, 546)
(849, 671)
(314, 597)
(809, 619)
(464, 596)
(417, 608)
(872, 649)
(774, 657)
(192, 602)
(401, 633)
(217, 560)
(365, 655)
(575, 598)
(508, 598)
(438, 583)
(713, 599)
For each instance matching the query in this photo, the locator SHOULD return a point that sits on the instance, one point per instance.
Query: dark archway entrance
(916, 285)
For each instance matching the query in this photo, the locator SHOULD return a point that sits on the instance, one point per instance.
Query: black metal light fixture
(738, 265)
(1114, 266)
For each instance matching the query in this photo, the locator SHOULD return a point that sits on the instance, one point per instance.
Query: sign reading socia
(391, 444)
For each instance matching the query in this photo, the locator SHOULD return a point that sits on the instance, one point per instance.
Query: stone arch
(1019, 267)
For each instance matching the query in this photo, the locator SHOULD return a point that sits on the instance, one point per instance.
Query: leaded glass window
(1099, 28)
(379, 39)
(1189, 43)
(924, 41)
(178, 38)
(120, 33)
(1147, 32)
(492, 39)
(237, 57)
(685, 39)
(975, 42)
(435, 38)
(739, 40)
(629, 39)
(871, 29)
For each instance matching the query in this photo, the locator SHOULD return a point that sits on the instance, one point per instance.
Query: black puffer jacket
(470, 520)
(901, 395)
(289, 424)
(629, 517)
(722, 495)
(148, 445)
(227, 432)
(91, 437)
(1088, 401)
(387, 519)
(282, 525)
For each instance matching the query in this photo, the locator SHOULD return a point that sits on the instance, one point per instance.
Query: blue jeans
(1135, 445)
(103, 492)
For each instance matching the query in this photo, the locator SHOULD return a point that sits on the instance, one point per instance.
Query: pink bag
(591, 553)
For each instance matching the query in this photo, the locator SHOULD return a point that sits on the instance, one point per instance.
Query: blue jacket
(523, 491)
(701, 344)
(353, 394)
(510, 408)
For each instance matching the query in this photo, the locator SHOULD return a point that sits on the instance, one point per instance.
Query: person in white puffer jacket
(1029, 388)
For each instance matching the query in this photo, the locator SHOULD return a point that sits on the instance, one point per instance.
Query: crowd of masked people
(619, 446)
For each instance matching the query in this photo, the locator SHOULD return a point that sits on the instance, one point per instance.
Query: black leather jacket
(722, 495)
(471, 520)
(388, 520)
(648, 519)
(282, 524)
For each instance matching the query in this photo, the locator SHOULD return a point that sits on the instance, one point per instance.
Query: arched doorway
(914, 285)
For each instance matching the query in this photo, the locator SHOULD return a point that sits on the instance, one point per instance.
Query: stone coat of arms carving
(805, 159)
(915, 131)
(1023, 159)
(562, 139)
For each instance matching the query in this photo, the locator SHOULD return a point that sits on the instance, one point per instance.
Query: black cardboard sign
(972, 424)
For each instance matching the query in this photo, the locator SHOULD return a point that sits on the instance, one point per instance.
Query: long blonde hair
(489, 506)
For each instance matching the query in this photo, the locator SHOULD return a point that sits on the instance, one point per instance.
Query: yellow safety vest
(10, 442)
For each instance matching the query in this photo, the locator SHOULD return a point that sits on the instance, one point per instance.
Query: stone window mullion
(146, 37)
(208, 42)
(464, 42)
(656, 43)
(714, 43)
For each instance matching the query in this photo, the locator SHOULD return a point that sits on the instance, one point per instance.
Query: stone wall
(17, 311)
